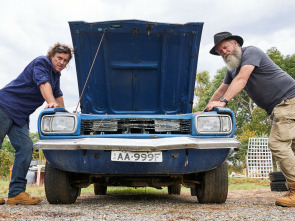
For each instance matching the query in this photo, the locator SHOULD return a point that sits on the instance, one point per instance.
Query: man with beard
(271, 88)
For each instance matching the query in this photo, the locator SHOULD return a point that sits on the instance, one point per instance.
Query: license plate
(128, 156)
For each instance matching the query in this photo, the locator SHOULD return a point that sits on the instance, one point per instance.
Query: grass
(241, 183)
(234, 184)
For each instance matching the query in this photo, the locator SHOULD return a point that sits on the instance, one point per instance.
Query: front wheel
(58, 188)
(214, 185)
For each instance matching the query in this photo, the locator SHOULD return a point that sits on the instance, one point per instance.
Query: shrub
(6, 159)
(6, 145)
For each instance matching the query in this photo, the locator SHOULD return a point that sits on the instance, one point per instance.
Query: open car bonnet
(141, 67)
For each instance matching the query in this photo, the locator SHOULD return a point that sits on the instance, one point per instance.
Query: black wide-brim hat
(219, 37)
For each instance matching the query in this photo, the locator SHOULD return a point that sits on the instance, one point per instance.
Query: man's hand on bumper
(212, 104)
(51, 105)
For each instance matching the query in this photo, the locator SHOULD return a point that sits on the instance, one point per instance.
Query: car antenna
(90, 71)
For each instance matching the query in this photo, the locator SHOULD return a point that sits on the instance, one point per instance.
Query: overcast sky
(28, 28)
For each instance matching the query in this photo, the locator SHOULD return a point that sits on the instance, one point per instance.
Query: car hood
(140, 68)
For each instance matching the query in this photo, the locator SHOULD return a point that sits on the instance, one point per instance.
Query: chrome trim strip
(122, 144)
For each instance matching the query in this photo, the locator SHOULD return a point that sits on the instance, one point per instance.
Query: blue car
(136, 127)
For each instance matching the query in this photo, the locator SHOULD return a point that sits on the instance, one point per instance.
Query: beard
(233, 59)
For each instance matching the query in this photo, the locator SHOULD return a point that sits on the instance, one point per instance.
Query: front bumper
(137, 144)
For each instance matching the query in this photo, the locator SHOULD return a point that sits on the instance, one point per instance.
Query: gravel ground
(240, 205)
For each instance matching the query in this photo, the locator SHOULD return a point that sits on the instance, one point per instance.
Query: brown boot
(289, 198)
(2, 201)
(23, 199)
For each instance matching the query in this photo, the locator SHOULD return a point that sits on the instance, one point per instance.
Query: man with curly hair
(39, 82)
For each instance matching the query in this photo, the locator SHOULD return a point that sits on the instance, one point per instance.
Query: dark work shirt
(268, 85)
(22, 96)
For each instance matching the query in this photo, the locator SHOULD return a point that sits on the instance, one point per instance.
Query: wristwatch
(222, 99)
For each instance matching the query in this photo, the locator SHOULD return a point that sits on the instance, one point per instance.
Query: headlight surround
(63, 124)
(213, 124)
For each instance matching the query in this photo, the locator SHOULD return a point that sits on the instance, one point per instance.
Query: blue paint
(198, 160)
(141, 68)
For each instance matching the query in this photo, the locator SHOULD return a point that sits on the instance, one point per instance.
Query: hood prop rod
(89, 72)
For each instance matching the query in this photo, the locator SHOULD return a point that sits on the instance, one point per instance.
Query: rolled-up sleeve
(41, 72)
(57, 91)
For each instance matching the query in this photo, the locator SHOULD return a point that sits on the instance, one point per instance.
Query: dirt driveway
(240, 205)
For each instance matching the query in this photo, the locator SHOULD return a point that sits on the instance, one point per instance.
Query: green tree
(238, 158)
(287, 63)
(202, 84)
(276, 56)
(212, 87)
(6, 159)
(259, 126)
(260, 123)
(6, 145)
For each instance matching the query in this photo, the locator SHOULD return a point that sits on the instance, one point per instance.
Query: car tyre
(174, 189)
(214, 185)
(58, 189)
(278, 186)
(277, 176)
(100, 189)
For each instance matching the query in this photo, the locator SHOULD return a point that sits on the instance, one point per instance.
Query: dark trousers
(23, 145)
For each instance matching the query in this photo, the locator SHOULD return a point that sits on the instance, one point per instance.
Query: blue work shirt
(22, 96)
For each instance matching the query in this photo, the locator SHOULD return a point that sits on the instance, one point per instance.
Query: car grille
(135, 126)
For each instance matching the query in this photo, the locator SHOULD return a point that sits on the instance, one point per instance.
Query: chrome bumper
(137, 144)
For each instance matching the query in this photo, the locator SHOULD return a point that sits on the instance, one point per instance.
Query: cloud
(28, 28)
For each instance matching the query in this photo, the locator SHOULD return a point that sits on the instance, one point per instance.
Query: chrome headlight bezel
(220, 118)
(50, 120)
